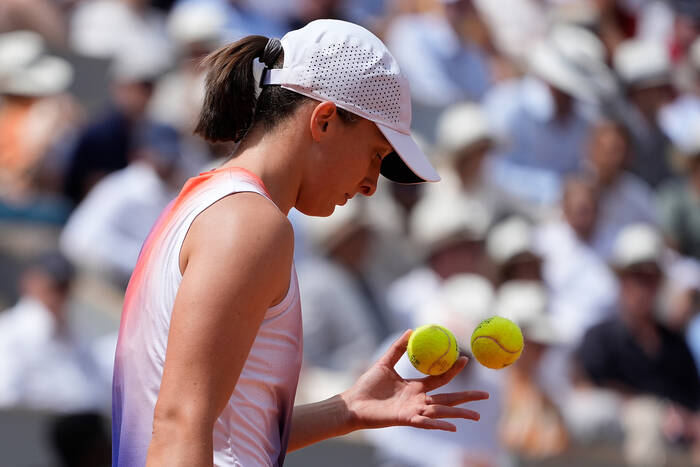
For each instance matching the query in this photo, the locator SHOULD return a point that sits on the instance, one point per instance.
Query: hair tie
(272, 51)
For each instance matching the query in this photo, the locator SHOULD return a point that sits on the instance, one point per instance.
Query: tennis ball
(432, 349)
(497, 342)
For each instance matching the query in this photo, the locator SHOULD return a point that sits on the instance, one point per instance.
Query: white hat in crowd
(586, 52)
(525, 303)
(463, 301)
(327, 232)
(549, 63)
(638, 244)
(196, 22)
(642, 63)
(509, 238)
(460, 126)
(26, 69)
(441, 220)
(346, 64)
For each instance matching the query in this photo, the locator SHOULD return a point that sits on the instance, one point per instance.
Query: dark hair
(231, 107)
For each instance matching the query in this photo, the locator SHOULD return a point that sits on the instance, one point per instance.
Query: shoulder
(246, 217)
(242, 230)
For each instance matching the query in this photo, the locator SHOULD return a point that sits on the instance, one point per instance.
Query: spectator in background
(465, 142)
(81, 440)
(35, 113)
(439, 58)
(344, 320)
(108, 28)
(43, 364)
(104, 145)
(679, 204)
(105, 232)
(644, 67)
(451, 232)
(623, 198)
(510, 245)
(543, 122)
(461, 303)
(242, 18)
(632, 351)
(532, 425)
(197, 29)
(583, 291)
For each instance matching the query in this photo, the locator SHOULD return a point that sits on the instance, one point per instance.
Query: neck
(272, 157)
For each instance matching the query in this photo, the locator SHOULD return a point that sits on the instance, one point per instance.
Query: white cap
(441, 219)
(460, 126)
(642, 63)
(525, 303)
(509, 238)
(462, 302)
(25, 70)
(341, 62)
(636, 244)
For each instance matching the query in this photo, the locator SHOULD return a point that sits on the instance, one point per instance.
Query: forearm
(315, 422)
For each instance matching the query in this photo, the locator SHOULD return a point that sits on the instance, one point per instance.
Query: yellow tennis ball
(497, 342)
(432, 349)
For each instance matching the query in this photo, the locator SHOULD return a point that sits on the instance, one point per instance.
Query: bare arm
(237, 256)
(382, 398)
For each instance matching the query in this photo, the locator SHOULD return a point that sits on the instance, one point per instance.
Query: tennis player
(210, 344)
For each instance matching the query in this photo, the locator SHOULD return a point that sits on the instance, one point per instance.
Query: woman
(210, 342)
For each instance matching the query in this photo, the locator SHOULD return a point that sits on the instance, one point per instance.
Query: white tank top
(253, 428)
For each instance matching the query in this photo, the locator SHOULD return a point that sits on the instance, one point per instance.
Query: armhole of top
(274, 309)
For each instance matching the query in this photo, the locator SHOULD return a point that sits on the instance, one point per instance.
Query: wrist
(349, 415)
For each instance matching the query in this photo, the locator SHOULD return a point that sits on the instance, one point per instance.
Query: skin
(580, 207)
(312, 161)
(608, 153)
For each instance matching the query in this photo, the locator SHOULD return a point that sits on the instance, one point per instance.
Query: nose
(369, 185)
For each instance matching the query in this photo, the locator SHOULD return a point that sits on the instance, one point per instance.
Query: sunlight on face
(347, 162)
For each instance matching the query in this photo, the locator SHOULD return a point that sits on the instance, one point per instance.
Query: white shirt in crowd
(629, 200)
(339, 333)
(582, 287)
(107, 229)
(44, 366)
(441, 68)
(409, 293)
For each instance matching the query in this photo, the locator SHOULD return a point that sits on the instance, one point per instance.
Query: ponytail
(230, 105)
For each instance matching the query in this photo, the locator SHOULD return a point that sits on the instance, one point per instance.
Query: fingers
(397, 349)
(443, 411)
(456, 398)
(433, 382)
(420, 421)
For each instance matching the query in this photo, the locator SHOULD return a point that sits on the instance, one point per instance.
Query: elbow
(173, 421)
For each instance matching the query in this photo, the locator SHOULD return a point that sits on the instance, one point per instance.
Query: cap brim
(408, 164)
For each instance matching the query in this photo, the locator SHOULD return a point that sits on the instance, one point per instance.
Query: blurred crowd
(567, 134)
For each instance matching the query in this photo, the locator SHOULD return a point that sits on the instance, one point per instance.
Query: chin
(317, 211)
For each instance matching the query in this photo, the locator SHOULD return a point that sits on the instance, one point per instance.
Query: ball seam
(496, 342)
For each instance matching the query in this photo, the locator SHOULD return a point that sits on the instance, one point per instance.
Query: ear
(321, 116)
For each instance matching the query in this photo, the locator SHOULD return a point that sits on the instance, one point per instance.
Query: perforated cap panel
(353, 76)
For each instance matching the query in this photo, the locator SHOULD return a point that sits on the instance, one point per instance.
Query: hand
(382, 398)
